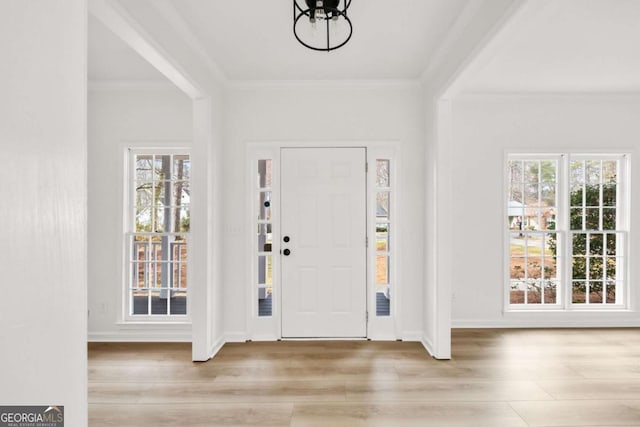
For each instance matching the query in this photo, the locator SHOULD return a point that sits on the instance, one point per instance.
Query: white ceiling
(391, 40)
(249, 41)
(566, 46)
(549, 46)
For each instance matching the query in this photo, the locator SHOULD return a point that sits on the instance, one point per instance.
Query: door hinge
(367, 316)
(366, 167)
(366, 242)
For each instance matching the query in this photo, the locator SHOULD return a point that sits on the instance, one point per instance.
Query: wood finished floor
(497, 378)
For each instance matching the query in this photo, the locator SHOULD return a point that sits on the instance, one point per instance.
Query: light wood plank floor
(521, 377)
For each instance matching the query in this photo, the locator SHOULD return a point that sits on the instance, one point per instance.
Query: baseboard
(216, 347)
(426, 343)
(266, 337)
(140, 336)
(382, 337)
(542, 323)
(414, 336)
(235, 337)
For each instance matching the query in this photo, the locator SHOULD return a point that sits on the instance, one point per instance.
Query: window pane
(550, 292)
(531, 195)
(577, 218)
(383, 300)
(265, 238)
(517, 292)
(144, 195)
(181, 193)
(531, 169)
(162, 167)
(579, 244)
(611, 243)
(179, 279)
(595, 292)
(548, 171)
(592, 219)
(139, 302)
(534, 291)
(579, 268)
(143, 168)
(182, 220)
(576, 179)
(383, 174)
(382, 269)
(517, 270)
(382, 205)
(181, 167)
(611, 291)
(178, 303)
(265, 270)
(548, 195)
(265, 301)
(609, 221)
(592, 173)
(159, 302)
(382, 237)
(264, 205)
(578, 295)
(264, 173)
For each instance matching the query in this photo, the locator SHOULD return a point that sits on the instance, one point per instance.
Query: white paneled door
(323, 232)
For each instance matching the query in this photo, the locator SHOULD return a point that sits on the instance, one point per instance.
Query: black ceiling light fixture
(322, 24)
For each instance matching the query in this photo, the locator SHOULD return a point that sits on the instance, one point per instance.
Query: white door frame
(270, 328)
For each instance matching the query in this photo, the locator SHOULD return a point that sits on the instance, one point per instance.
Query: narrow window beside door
(382, 239)
(157, 233)
(264, 240)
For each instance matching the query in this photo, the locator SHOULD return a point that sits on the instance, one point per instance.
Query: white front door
(323, 214)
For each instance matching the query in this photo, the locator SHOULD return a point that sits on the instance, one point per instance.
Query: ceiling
(566, 46)
(249, 41)
(548, 46)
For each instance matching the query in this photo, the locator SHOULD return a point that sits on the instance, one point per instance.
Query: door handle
(286, 252)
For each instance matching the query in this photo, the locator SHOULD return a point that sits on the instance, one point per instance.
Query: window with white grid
(158, 224)
(567, 231)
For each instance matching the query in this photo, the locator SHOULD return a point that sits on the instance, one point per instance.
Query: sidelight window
(383, 224)
(264, 237)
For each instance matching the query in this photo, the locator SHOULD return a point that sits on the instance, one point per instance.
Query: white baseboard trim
(266, 337)
(541, 323)
(414, 336)
(426, 343)
(216, 347)
(235, 337)
(140, 336)
(382, 337)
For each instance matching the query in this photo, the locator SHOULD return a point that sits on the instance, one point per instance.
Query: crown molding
(325, 84)
(131, 85)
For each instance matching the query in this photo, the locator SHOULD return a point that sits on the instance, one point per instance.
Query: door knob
(286, 252)
(286, 239)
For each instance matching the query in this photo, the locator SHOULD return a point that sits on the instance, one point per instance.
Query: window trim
(564, 301)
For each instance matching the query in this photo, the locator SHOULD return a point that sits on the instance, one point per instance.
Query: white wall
(485, 128)
(43, 358)
(155, 116)
(319, 113)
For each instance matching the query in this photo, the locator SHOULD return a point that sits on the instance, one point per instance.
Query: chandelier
(322, 24)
